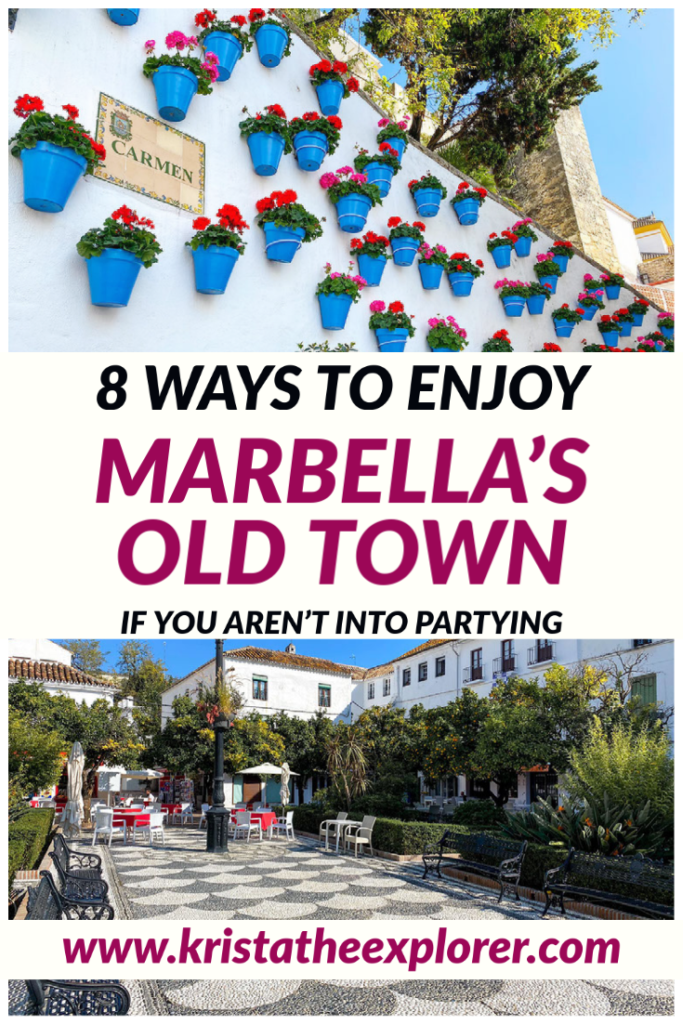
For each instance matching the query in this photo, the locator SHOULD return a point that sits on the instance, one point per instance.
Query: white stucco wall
(70, 56)
(652, 241)
(625, 241)
(38, 650)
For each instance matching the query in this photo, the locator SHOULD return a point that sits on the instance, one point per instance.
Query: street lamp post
(218, 817)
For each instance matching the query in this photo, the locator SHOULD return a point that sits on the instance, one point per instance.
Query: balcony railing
(501, 665)
(473, 675)
(541, 652)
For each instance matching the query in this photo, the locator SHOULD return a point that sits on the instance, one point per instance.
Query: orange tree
(450, 737)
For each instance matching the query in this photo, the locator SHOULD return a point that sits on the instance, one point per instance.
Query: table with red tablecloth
(129, 819)
(171, 809)
(264, 818)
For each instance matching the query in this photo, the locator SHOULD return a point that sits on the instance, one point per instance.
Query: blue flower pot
(330, 96)
(334, 310)
(501, 256)
(399, 145)
(611, 339)
(562, 262)
(175, 88)
(461, 283)
(612, 291)
(550, 279)
(310, 149)
(427, 201)
(282, 244)
(514, 305)
(638, 319)
(50, 174)
(371, 269)
(668, 332)
(123, 15)
(352, 212)
(431, 274)
(404, 250)
(271, 41)
(380, 175)
(445, 348)
(213, 267)
(523, 245)
(467, 211)
(391, 341)
(563, 328)
(659, 347)
(112, 277)
(536, 304)
(590, 312)
(594, 291)
(266, 150)
(227, 48)
(625, 331)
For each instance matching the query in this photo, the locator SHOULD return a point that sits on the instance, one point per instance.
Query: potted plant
(216, 249)
(55, 150)
(612, 283)
(665, 324)
(652, 342)
(500, 247)
(331, 89)
(273, 39)
(547, 270)
(462, 273)
(405, 240)
(525, 236)
(594, 347)
(114, 254)
(394, 132)
(591, 302)
(626, 321)
(124, 15)
(638, 308)
(513, 296)
(427, 192)
(592, 285)
(353, 197)
(178, 76)
(500, 342)
(380, 168)
(565, 319)
(268, 137)
(392, 326)
(549, 346)
(562, 252)
(371, 253)
(466, 202)
(537, 295)
(446, 335)
(336, 293)
(431, 262)
(286, 224)
(610, 328)
(226, 39)
(313, 138)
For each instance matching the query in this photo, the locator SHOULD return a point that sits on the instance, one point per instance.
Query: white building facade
(46, 662)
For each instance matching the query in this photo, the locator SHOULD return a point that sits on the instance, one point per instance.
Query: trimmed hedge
(28, 837)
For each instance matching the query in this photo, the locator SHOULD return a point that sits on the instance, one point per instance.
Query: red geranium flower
(480, 263)
(325, 66)
(276, 110)
(310, 115)
(419, 225)
(72, 112)
(98, 149)
(356, 243)
(396, 307)
(286, 197)
(493, 235)
(339, 67)
(265, 204)
(353, 85)
(393, 222)
(25, 105)
(204, 18)
(335, 122)
(199, 223)
(256, 14)
(482, 192)
(238, 19)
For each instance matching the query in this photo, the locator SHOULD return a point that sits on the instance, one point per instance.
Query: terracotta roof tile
(53, 672)
(303, 661)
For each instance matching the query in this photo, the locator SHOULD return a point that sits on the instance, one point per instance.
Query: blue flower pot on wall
(502, 255)
(536, 304)
(175, 88)
(404, 250)
(271, 41)
(310, 149)
(445, 348)
(461, 283)
(668, 332)
(371, 269)
(514, 305)
(380, 175)
(427, 201)
(330, 96)
(550, 279)
(50, 174)
(213, 267)
(523, 245)
(659, 347)
(638, 319)
(227, 48)
(112, 277)
(266, 150)
(399, 145)
(625, 331)
(282, 244)
(391, 341)
(431, 274)
(352, 212)
(467, 211)
(334, 310)
(590, 312)
(611, 339)
(612, 291)
(562, 261)
(563, 328)
(124, 15)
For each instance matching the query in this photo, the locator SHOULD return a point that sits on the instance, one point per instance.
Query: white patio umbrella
(284, 784)
(268, 769)
(73, 812)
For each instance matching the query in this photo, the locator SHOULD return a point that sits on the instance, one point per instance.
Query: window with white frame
(440, 667)
(406, 677)
(386, 688)
(422, 672)
(371, 691)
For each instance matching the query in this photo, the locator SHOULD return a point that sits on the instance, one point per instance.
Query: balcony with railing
(541, 652)
(473, 674)
(504, 665)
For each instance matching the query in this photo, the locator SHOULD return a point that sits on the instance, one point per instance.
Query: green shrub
(479, 814)
(28, 837)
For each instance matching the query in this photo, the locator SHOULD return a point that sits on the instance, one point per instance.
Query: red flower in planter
(25, 105)
(199, 223)
(482, 192)
(72, 112)
(393, 222)
(353, 85)
(204, 18)
(239, 20)
(335, 122)
(419, 225)
(310, 115)
(479, 263)
(256, 14)
(265, 204)
(276, 110)
(357, 244)
(339, 67)
(396, 307)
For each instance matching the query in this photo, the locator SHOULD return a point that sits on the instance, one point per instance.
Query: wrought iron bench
(47, 903)
(82, 883)
(77, 998)
(633, 884)
(87, 865)
(499, 859)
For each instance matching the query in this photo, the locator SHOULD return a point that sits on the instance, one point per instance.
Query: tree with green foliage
(86, 655)
(35, 757)
(451, 733)
(144, 679)
(393, 744)
(185, 746)
(306, 743)
(347, 765)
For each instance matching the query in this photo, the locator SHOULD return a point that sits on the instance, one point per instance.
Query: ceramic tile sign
(148, 156)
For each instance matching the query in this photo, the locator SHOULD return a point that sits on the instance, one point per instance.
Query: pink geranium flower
(377, 306)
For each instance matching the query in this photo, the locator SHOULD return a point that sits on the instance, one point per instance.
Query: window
(476, 670)
(641, 643)
(508, 656)
(324, 694)
(386, 688)
(440, 666)
(450, 787)
(260, 684)
(422, 672)
(406, 677)
(371, 691)
(645, 687)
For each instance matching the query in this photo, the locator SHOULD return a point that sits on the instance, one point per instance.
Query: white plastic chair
(285, 824)
(329, 827)
(245, 826)
(154, 828)
(204, 820)
(186, 813)
(360, 835)
(104, 825)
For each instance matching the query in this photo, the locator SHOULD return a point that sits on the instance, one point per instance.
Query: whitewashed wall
(625, 240)
(70, 56)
